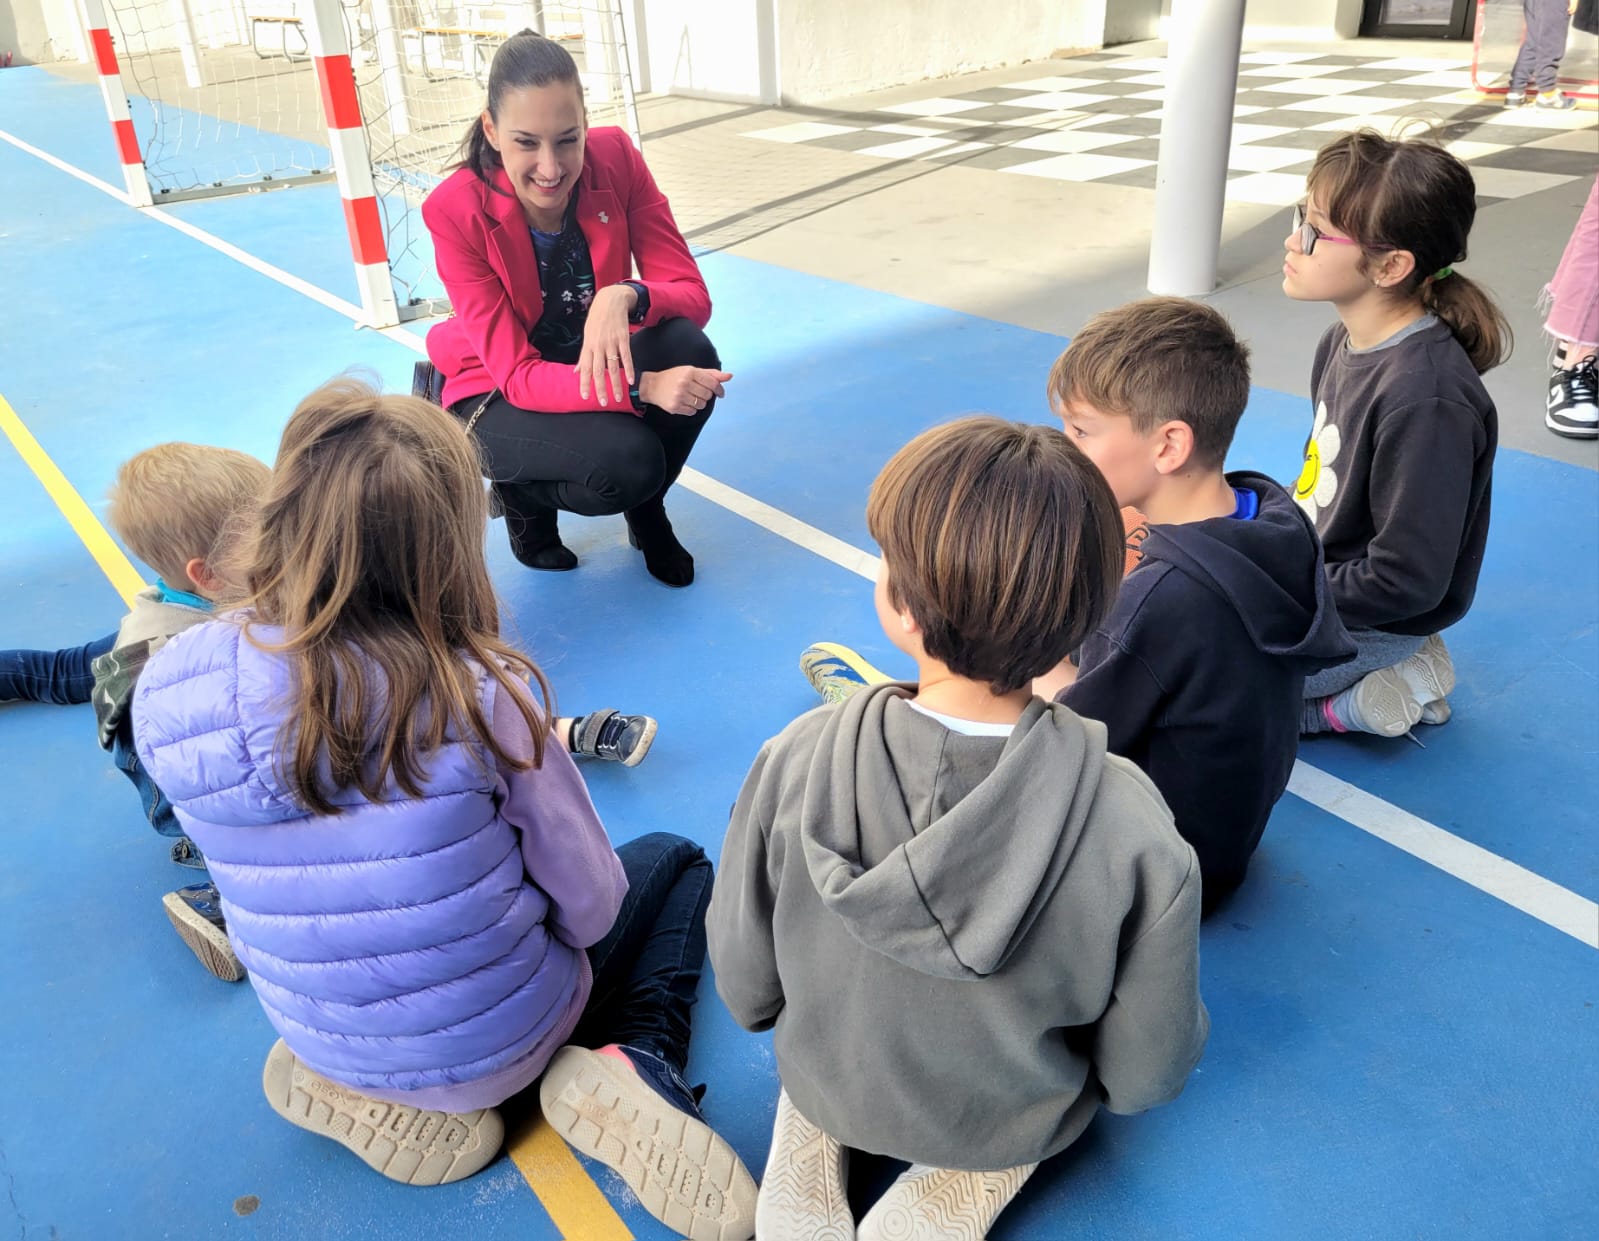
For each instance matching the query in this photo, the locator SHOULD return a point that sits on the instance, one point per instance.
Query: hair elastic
(1443, 273)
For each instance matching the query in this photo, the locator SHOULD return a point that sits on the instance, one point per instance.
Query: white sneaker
(1430, 675)
(1380, 703)
(1572, 409)
(804, 1194)
(937, 1204)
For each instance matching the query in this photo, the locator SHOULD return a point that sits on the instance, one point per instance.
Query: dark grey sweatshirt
(967, 944)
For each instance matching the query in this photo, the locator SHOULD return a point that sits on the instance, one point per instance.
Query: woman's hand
(683, 390)
(606, 363)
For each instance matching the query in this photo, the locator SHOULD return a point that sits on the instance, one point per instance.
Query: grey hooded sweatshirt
(967, 944)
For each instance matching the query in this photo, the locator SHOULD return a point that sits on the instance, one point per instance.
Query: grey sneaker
(631, 1112)
(196, 914)
(804, 1193)
(938, 1204)
(405, 1144)
(608, 734)
(1555, 100)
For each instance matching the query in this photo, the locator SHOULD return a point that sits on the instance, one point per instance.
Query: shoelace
(1583, 385)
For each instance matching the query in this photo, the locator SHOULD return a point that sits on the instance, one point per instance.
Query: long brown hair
(369, 555)
(527, 58)
(1412, 195)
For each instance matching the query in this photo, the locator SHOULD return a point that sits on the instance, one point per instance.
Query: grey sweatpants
(1542, 47)
(1373, 649)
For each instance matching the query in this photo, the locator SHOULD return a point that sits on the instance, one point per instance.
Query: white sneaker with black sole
(1573, 408)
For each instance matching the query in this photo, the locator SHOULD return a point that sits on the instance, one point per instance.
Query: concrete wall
(828, 48)
(808, 51)
(39, 31)
(1266, 20)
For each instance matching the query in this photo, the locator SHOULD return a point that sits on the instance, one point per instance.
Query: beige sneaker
(1430, 672)
(1380, 702)
(804, 1194)
(405, 1144)
(937, 1204)
(629, 1109)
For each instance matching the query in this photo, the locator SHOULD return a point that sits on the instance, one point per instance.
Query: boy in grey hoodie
(970, 925)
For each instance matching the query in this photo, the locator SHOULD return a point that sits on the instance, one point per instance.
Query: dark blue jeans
(647, 968)
(62, 677)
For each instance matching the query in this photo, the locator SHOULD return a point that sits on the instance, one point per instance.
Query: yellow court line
(580, 1211)
(116, 566)
(574, 1202)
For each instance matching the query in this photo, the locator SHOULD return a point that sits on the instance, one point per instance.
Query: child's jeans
(647, 968)
(62, 677)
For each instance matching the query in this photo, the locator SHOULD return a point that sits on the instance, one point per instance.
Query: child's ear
(205, 582)
(1174, 446)
(1395, 268)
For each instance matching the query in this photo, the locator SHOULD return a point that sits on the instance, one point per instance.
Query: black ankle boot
(650, 530)
(536, 540)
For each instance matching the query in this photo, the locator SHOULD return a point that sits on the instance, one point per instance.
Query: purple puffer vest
(396, 946)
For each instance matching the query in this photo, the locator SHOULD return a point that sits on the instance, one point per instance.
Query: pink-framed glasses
(1309, 234)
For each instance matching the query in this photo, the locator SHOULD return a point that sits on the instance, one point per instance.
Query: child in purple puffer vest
(415, 878)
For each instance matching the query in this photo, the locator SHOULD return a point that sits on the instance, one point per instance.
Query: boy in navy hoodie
(1198, 670)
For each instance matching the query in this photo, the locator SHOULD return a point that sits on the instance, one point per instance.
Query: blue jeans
(154, 802)
(647, 968)
(62, 677)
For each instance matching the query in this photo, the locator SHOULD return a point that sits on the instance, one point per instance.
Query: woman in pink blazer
(586, 387)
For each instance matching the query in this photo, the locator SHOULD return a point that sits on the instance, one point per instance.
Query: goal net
(421, 70)
(223, 96)
(1498, 39)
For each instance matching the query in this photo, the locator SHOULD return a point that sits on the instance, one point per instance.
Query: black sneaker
(607, 734)
(196, 913)
(1574, 401)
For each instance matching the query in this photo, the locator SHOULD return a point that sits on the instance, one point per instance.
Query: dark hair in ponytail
(527, 58)
(1413, 195)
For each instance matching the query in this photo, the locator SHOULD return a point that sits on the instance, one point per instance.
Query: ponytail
(1413, 195)
(526, 59)
(1473, 316)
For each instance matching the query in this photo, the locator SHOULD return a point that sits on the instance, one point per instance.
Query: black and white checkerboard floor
(1099, 122)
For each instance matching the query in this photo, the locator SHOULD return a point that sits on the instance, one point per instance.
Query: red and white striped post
(116, 103)
(341, 108)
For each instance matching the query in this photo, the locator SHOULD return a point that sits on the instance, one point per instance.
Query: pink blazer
(485, 259)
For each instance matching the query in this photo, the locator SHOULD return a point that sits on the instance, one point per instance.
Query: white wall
(828, 48)
(39, 31)
(1298, 19)
(718, 49)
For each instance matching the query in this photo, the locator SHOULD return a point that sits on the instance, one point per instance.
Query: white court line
(1499, 877)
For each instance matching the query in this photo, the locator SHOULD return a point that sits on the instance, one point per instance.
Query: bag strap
(478, 412)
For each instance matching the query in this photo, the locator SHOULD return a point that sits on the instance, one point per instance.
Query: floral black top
(566, 279)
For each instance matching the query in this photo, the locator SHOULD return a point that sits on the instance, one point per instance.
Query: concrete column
(1195, 134)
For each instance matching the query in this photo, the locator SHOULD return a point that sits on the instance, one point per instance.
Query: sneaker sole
(803, 1195)
(947, 1206)
(814, 661)
(405, 1144)
(645, 741)
(1578, 431)
(1386, 704)
(1430, 672)
(683, 1172)
(207, 941)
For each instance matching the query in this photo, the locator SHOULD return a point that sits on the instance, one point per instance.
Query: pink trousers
(1573, 295)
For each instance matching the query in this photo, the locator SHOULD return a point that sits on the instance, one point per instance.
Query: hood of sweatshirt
(1268, 568)
(947, 885)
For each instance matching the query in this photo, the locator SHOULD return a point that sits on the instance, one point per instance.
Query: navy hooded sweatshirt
(1198, 672)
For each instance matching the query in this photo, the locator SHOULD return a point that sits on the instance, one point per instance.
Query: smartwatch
(642, 308)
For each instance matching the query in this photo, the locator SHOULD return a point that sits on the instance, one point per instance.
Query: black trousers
(594, 463)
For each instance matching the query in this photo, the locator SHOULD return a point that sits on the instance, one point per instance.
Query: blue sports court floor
(1405, 1037)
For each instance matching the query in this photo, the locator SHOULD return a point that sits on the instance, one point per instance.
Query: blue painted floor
(1394, 1053)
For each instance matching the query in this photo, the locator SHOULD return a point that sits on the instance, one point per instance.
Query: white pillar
(1195, 135)
(183, 21)
(388, 41)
